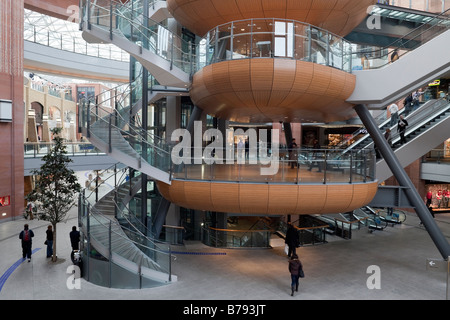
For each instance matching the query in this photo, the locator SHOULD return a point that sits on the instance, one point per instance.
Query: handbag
(286, 249)
(45, 242)
(301, 274)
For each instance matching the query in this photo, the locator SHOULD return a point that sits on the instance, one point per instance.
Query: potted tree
(56, 187)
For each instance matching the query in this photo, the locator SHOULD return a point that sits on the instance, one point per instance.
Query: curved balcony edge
(263, 198)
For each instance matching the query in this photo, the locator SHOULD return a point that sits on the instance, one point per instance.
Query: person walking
(291, 240)
(49, 241)
(74, 241)
(295, 266)
(401, 128)
(25, 235)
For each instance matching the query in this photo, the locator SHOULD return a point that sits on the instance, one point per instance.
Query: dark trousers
(294, 281)
(26, 249)
(402, 137)
(291, 251)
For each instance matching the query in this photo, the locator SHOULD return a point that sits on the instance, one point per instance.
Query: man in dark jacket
(26, 235)
(291, 239)
(74, 238)
(401, 128)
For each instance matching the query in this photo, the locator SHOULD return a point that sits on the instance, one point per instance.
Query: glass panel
(280, 47)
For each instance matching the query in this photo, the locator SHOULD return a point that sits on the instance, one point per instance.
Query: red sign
(5, 201)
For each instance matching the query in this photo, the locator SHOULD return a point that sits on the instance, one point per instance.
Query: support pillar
(403, 179)
(164, 205)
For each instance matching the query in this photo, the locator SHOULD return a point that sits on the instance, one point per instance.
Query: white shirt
(393, 108)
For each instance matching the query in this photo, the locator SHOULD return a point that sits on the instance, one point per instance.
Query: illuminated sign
(434, 83)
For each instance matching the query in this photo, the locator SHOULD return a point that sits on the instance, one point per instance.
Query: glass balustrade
(372, 57)
(300, 166)
(127, 20)
(106, 244)
(40, 149)
(274, 38)
(72, 42)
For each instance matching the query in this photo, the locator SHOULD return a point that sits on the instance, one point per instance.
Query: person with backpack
(26, 236)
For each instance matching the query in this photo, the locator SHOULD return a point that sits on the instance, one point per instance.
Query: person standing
(393, 109)
(25, 235)
(294, 268)
(293, 156)
(291, 240)
(75, 238)
(401, 128)
(74, 241)
(429, 198)
(49, 241)
(408, 104)
(388, 137)
(446, 196)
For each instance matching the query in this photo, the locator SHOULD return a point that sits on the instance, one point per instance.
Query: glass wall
(273, 38)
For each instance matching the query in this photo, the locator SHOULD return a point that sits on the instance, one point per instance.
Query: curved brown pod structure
(337, 16)
(264, 90)
(261, 198)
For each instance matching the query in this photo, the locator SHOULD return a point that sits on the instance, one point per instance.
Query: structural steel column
(403, 179)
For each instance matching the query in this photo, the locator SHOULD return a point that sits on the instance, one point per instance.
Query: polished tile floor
(338, 270)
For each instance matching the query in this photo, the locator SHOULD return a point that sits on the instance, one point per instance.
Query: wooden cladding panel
(254, 90)
(223, 196)
(261, 199)
(337, 16)
(338, 198)
(198, 195)
(311, 198)
(282, 199)
(253, 198)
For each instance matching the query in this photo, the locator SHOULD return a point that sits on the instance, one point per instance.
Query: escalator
(378, 87)
(428, 127)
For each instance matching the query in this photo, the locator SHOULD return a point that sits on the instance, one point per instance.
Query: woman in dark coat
(294, 268)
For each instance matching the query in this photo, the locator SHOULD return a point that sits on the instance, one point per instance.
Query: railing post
(110, 20)
(88, 235)
(309, 43)
(351, 166)
(110, 134)
(110, 254)
(88, 8)
(170, 263)
(88, 120)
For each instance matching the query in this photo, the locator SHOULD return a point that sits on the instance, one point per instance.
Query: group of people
(295, 265)
(401, 122)
(27, 234)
